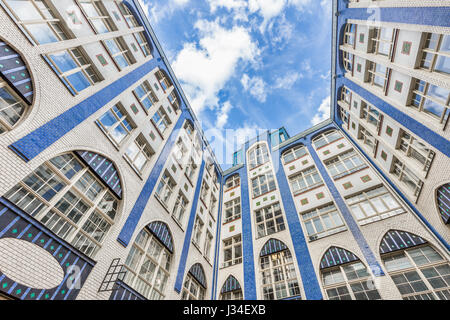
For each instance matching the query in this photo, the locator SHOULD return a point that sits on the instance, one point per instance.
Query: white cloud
(157, 12)
(205, 67)
(267, 9)
(222, 116)
(287, 81)
(323, 113)
(228, 4)
(256, 86)
(303, 4)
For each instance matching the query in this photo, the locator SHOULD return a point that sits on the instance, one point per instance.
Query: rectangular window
(116, 124)
(232, 210)
(163, 81)
(374, 205)
(378, 75)
(174, 100)
(322, 222)
(198, 230)
(258, 156)
(416, 149)
(208, 245)
(345, 164)
(407, 177)
(74, 69)
(145, 95)
(367, 138)
(436, 53)
(190, 169)
(142, 41)
(128, 16)
(212, 204)
(382, 41)
(204, 192)
(432, 100)
(269, 220)
(165, 188)
(371, 115)
(139, 153)
(232, 251)
(180, 208)
(294, 154)
(161, 120)
(38, 20)
(233, 182)
(263, 184)
(305, 180)
(119, 51)
(97, 16)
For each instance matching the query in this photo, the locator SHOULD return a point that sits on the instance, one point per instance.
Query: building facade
(109, 189)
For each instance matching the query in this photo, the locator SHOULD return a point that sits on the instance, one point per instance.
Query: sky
(248, 65)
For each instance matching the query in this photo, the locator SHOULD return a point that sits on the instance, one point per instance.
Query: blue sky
(248, 65)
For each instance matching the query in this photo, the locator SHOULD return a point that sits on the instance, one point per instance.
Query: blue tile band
(188, 233)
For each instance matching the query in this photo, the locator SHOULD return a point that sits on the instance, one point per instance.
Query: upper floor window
(198, 230)
(443, 201)
(164, 81)
(145, 95)
(374, 205)
(350, 281)
(190, 169)
(279, 279)
(416, 149)
(326, 138)
(382, 40)
(378, 75)
(367, 138)
(68, 198)
(407, 177)
(348, 59)
(173, 99)
(233, 181)
(269, 220)
(179, 208)
(420, 273)
(263, 184)
(128, 15)
(322, 222)
(346, 95)
(344, 115)
(371, 115)
(345, 164)
(305, 180)
(148, 265)
(431, 99)
(436, 53)
(97, 16)
(294, 154)
(119, 51)
(189, 129)
(142, 41)
(38, 20)
(232, 251)
(165, 188)
(12, 108)
(116, 123)
(139, 153)
(75, 70)
(232, 210)
(161, 120)
(258, 156)
(208, 245)
(350, 34)
(204, 192)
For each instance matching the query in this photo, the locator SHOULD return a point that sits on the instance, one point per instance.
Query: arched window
(345, 277)
(148, 263)
(258, 155)
(294, 153)
(194, 287)
(233, 181)
(279, 279)
(443, 199)
(349, 34)
(326, 138)
(417, 269)
(16, 89)
(163, 79)
(231, 290)
(75, 195)
(348, 61)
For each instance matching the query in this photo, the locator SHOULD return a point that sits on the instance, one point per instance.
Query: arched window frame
(417, 266)
(12, 113)
(326, 138)
(443, 202)
(192, 288)
(350, 34)
(278, 263)
(231, 289)
(258, 155)
(148, 248)
(53, 194)
(345, 277)
(294, 153)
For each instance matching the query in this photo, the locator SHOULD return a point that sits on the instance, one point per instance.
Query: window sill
(230, 221)
(139, 174)
(162, 204)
